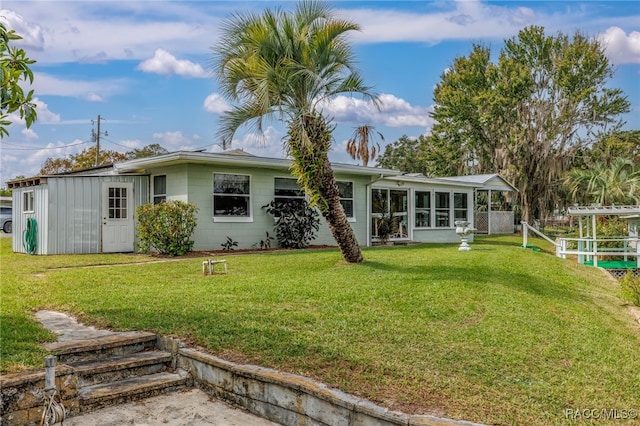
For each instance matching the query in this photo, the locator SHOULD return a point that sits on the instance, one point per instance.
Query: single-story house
(93, 211)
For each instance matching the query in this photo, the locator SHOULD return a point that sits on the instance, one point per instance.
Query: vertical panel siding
(20, 218)
(74, 215)
(68, 212)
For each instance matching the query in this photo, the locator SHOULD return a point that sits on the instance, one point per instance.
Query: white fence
(589, 249)
(495, 222)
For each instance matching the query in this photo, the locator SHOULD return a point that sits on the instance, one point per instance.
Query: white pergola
(592, 212)
(590, 215)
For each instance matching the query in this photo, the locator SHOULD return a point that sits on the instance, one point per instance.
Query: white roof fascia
(179, 157)
(430, 181)
(603, 210)
(481, 181)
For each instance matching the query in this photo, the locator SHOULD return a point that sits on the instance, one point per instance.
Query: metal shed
(87, 212)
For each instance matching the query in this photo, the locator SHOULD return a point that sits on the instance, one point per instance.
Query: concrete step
(121, 367)
(131, 389)
(101, 348)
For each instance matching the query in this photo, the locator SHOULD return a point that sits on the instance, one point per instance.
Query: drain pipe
(54, 412)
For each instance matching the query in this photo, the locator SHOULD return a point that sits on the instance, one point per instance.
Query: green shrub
(166, 227)
(611, 226)
(266, 242)
(631, 288)
(229, 244)
(296, 222)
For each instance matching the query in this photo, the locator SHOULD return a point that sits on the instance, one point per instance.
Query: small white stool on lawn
(208, 266)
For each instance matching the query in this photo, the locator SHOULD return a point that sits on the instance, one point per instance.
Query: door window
(117, 202)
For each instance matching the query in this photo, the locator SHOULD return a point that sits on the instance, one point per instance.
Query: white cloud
(216, 104)
(621, 48)
(94, 91)
(44, 114)
(176, 141)
(93, 97)
(131, 144)
(171, 138)
(394, 112)
(165, 63)
(32, 34)
(62, 32)
(29, 134)
(268, 144)
(29, 166)
(462, 20)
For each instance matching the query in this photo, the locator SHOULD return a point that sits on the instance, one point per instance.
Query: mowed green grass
(498, 335)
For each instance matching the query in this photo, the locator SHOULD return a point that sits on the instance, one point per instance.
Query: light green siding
(194, 183)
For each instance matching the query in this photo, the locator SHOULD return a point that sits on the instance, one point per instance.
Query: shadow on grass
(491, 276)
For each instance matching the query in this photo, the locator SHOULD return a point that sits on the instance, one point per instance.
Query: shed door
(117, 217)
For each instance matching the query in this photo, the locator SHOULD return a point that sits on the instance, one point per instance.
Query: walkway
(182, 408)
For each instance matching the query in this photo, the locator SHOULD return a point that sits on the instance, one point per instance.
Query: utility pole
(95, 137)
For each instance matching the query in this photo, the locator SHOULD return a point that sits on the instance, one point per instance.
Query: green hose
(30, 236)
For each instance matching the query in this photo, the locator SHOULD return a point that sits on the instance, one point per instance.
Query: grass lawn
(499, 334)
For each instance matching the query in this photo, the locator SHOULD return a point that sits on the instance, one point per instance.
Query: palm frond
(282, 63)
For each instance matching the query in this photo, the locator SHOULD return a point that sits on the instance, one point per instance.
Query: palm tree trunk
(309, 143)
(336, 218)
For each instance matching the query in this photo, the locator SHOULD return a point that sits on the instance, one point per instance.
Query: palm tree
(358, 146)
(284, 64)
(606, 184)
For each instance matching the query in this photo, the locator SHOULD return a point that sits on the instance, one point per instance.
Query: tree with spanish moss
(529, 113)
(285, 64)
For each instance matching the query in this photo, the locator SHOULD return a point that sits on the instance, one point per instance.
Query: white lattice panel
(482, 222)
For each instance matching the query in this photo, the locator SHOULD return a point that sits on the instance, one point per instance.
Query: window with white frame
(346, 197)
(117, 203)
(231, 195)
(28, 202)
(459, 206)
(442, 210)
(159, 189)
(423, 209)
(287, 190)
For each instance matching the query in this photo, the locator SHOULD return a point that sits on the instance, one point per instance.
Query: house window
(423, 209)
(346, 197)
(287, 190)
(459, 206)
(442, 210)
(231, 195)
(159, 189)
(117, 199)
(28, 202)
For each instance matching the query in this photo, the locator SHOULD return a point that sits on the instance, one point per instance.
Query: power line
(115, 143)
(23, 148)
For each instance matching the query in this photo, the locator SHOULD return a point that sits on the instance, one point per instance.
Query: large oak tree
(528, 113)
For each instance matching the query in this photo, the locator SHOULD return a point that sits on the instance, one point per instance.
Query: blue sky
(144, 68)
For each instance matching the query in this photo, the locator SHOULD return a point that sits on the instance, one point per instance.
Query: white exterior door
(117, 217)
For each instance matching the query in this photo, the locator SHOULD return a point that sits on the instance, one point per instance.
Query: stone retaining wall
(285, 398)
(22, 395)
